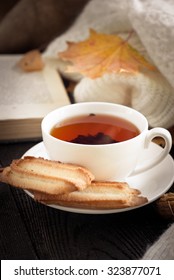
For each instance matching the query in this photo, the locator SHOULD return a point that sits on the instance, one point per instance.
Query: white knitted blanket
(153, 25)
(163, 248)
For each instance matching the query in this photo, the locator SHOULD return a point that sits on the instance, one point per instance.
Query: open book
(26, 97)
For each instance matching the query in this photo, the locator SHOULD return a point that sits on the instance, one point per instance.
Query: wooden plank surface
(29, 230)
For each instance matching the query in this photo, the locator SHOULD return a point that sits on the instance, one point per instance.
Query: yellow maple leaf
(103, 53)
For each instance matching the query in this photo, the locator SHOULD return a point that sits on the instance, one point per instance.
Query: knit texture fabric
(144, 93)
(153, 23)
(163, 248)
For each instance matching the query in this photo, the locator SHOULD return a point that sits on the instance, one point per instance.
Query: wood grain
(30, 230)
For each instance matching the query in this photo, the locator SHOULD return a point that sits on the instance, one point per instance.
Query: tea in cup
(106, 138)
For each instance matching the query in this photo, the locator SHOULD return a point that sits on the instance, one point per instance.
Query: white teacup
(114, 161)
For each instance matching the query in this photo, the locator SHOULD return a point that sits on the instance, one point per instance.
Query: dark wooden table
(29, 230)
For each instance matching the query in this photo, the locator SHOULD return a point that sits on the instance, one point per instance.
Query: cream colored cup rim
(57, 110)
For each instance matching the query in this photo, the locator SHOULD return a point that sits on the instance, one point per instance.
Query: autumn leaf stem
(129, 35)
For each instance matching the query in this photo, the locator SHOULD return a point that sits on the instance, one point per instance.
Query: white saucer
(152, 183)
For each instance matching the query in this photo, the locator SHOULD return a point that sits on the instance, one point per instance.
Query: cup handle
(151, 134)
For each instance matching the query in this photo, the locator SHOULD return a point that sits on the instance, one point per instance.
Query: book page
(29, 94)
